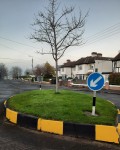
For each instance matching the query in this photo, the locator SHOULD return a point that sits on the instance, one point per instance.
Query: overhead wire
(112, 28)
(16, 50)
(102, 38)
(106, 33)
(16, 42)
(107, 29)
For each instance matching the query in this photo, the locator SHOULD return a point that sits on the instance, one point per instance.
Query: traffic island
(94, 132)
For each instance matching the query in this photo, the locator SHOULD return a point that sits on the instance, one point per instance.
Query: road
(114, 98)
(13, 137)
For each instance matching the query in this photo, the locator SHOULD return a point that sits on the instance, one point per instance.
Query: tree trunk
(56, 64)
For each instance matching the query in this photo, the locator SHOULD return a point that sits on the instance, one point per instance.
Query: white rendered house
(67, 70)
(85, 66)
(93, 63)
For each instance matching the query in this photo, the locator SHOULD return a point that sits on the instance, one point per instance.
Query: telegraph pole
(32, 62)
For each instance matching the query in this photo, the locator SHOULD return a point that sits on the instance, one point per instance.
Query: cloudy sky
(102, 31)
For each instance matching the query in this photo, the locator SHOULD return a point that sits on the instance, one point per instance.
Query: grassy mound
(67, 106)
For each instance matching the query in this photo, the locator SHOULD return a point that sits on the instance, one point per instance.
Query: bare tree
(59, 30)
(39, 70)
(3, 71)
(16, 72)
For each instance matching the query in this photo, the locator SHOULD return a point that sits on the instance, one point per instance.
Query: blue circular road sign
(95, 81)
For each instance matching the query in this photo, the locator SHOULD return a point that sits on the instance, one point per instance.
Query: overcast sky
(102, 31)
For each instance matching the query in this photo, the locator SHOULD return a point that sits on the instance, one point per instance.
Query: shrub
(114, 79)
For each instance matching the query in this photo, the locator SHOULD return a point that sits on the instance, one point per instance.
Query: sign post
(94, 103)
(95, 83)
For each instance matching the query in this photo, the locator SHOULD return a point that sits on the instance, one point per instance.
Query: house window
(91, 66)
(80, 77)
(83, 77)
(96, 69)
(62, 69)
(80, 67)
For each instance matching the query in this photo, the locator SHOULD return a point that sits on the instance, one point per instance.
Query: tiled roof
(117, 57)
(90, 60)
(104, 58)
(68, 64)
(85, 60)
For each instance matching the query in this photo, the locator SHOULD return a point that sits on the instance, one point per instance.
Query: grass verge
(67, 106)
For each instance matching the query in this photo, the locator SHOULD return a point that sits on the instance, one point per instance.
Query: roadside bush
(69, 78)
(114, 79)
(46, 79)
(60, 77)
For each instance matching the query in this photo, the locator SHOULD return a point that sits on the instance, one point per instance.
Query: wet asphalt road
(9, 88)
(114, 98)
(13, 137)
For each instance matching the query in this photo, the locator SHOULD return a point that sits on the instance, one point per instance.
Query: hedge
(114, 79)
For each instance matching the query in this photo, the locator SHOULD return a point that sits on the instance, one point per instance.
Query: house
(94, 63)
(85, 66)
(116, 63)
(67, 69)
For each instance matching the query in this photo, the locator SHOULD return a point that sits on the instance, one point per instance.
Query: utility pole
(32, 62)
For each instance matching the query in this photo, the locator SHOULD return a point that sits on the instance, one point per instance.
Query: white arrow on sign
(93, 83)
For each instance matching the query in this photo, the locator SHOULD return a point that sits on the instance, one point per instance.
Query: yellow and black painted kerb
(27, 121)
(94, 132)
(118, 116)
(118, 126)
(79, 130)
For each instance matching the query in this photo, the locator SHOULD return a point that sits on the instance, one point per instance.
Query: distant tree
(45, 70)
(16, 72)
(39, 70)
(3, 71)
(60, 29)
(49, 70)
(28, 72)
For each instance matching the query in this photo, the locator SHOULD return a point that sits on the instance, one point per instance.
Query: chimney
(94, 54)
(68, 60)
(99, 55)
